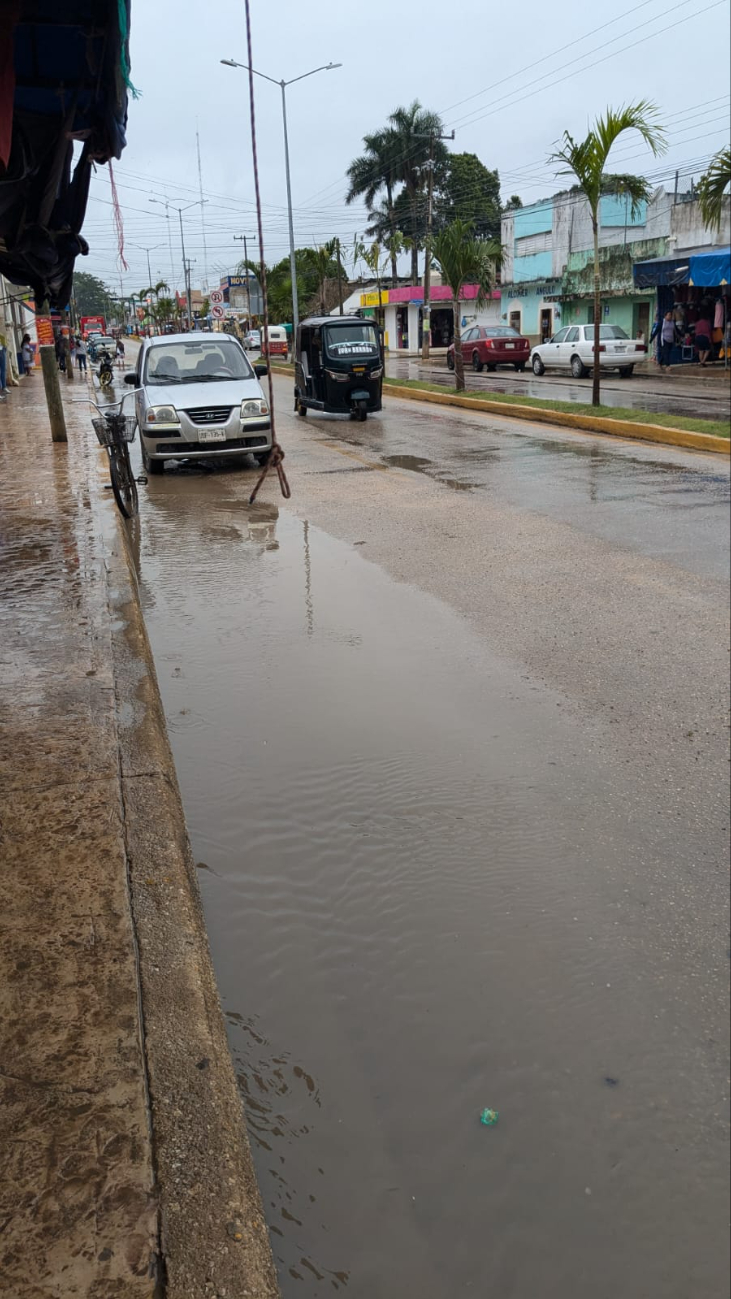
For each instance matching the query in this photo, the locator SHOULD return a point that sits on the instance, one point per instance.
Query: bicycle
(115, 430)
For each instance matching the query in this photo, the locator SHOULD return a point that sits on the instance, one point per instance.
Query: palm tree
(587, 160)
(417, 131)
(375, 170)
(371, 254)
(712, 187)
(323, 263)
(464, 259)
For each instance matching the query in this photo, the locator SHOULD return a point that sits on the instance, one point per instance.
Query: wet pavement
(647, 389)
(451, 735)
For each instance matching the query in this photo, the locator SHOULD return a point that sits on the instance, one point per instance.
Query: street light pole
(180, 211)
(326, 67)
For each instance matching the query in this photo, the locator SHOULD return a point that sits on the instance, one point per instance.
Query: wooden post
(52, 386)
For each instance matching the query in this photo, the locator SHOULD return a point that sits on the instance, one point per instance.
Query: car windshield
(351, 340)
(209, 362)
(501, 331)
(605, 331)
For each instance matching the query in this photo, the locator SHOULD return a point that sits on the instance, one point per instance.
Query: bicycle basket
(104, 426)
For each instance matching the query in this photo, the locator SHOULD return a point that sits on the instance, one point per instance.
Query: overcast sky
(508, 78)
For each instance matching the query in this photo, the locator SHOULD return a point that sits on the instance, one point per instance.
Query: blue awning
(708, 268)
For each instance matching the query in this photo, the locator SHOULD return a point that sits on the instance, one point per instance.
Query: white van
(274, 341)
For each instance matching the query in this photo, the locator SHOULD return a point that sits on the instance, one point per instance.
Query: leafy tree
(373, 256)
(322, 262)
(712, 187)
(464, 259)
(470, 192)
(375, 170)
(92, 295)
(513, 203)
(587, 160)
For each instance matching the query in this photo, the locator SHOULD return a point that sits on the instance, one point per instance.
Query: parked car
(199, 396)
(572, 349)
(491, 346)
(252, 340)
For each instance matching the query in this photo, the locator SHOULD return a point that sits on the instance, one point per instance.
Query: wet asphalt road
(451, 735)
(696, 398)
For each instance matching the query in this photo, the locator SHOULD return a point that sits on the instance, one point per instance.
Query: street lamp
(326, 67)
(180, 210)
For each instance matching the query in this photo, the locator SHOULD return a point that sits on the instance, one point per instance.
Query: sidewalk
(124, 1164)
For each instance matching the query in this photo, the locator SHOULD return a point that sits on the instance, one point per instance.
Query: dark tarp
(702, 266)
(64, 77)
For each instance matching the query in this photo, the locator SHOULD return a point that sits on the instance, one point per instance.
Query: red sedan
(492, 345)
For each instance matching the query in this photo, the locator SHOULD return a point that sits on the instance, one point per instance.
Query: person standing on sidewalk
(703, 339)
(81, 355)
(667, 340)
(3, 366)
(26, 351)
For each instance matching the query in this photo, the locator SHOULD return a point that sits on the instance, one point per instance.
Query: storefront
(404, 315)
(534, 308)
(694, 286)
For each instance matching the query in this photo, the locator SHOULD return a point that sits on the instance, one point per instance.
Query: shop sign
(372, 299)
(44, 331)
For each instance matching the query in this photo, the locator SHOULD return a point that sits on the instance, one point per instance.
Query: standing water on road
(424, 898)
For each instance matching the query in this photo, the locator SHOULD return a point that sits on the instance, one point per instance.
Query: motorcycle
(105, 372)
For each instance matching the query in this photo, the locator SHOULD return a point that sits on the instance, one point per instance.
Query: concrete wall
(688, 230)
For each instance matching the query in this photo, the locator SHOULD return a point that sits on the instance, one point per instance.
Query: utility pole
(426, 310)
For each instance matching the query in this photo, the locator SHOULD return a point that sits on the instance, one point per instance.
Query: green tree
(395, 166)
(587, 160)
(513, 203)
(469, 191)
(712, 187)
(374, 171)
(325, 266)
(373, 256)
(464, 259)
(92, 295)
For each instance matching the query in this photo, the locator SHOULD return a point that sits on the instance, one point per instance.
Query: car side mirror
(261, 370)
(130, 378)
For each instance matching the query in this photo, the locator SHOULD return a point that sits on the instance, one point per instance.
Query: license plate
(620, 349)
(212, 435)
(509, 346)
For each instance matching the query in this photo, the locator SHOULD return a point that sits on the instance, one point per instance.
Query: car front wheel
(151, 466)
(578, 369)
(450, 361)
(538, 366)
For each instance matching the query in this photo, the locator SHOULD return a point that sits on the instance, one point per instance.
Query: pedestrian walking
(120, 354)
(26, 352)
(703, 340)
(667, 340)
(81, 355)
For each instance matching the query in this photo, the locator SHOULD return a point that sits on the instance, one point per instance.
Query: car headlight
(337, 376)
(376, 374)
(162, 415)
(253, 407)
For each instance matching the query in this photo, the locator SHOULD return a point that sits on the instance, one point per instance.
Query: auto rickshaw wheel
(301, 410)
(361, 414)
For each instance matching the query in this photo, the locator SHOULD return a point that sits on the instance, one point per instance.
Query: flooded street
(646, 390)
(450, 729)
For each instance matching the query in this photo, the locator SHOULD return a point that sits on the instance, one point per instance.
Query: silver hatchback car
(199, 396)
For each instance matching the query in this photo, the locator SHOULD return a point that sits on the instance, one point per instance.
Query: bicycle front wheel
(123, 481)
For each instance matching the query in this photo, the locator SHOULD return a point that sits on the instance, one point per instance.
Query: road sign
(216, 297)
(217, 311)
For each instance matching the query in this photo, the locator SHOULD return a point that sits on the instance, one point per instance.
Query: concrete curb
(583, 423)
(213, 1234)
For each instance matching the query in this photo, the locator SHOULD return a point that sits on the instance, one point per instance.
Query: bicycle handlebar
(112, 407)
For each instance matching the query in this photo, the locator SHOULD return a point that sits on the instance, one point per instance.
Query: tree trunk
(392, 223)
(595, 395)
(458, 362)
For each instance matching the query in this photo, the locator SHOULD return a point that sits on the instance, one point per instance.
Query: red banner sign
(44, 331)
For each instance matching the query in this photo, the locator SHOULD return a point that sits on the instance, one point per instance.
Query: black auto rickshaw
(338, 366)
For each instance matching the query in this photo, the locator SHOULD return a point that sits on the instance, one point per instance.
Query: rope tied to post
(276, 455)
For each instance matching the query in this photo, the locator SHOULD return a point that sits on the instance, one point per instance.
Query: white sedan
(572, 349)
